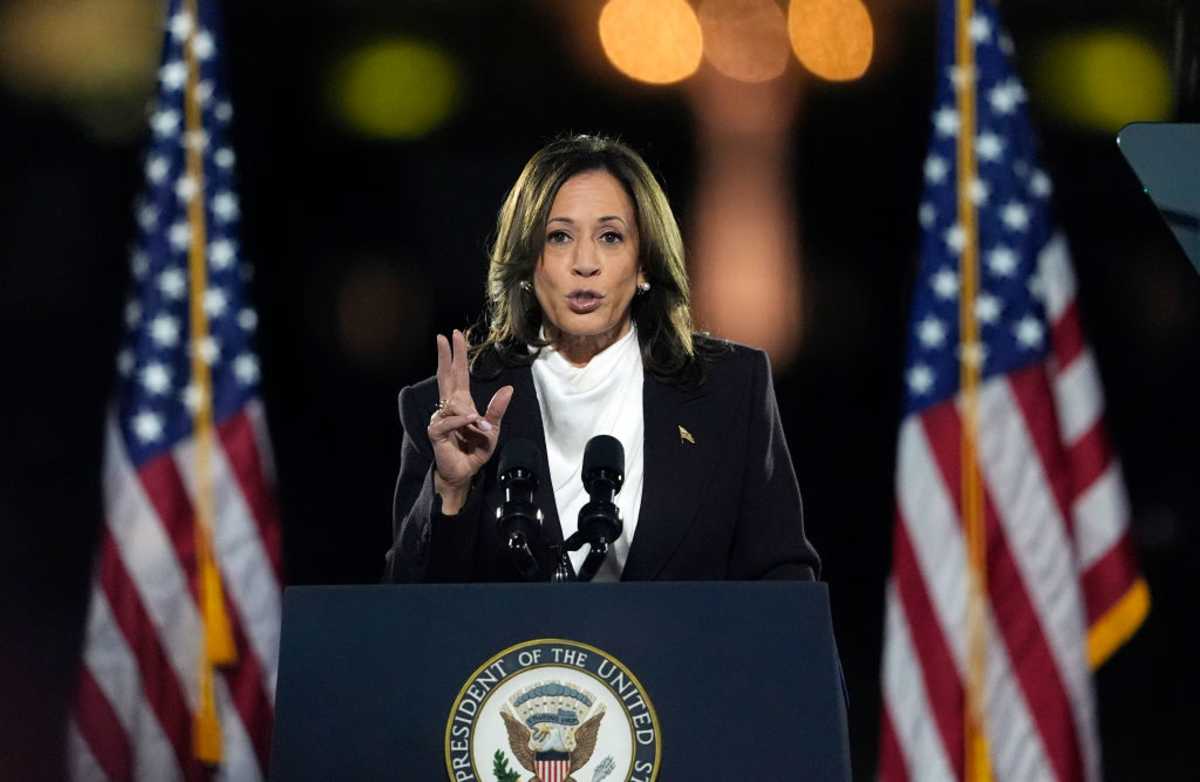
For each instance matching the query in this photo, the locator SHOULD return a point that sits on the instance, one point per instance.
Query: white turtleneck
(578, 403)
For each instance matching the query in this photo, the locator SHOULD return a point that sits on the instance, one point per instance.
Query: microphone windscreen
(603, 452)
(519, 453)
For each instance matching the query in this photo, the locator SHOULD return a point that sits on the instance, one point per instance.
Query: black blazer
(719, 498)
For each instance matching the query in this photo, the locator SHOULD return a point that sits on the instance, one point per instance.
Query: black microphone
(600, 519)
(518, 519)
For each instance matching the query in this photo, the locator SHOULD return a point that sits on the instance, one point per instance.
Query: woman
(589, 332)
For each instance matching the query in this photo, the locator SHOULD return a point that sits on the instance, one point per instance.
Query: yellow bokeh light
(832, 38)
(655, 41)
(1103, 79)
(745, 39)
(395, 88)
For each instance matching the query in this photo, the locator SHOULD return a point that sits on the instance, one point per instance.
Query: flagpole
(977, 766)
(217, 646)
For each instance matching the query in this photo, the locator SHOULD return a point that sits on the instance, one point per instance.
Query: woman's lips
(583, 302)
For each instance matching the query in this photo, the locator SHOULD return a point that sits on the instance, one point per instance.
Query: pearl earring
(643, 287)
(526, 286)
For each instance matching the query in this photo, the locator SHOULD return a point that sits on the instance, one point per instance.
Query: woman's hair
(663, 316)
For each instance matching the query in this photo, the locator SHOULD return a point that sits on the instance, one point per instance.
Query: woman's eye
(611, 237)
(557, 237)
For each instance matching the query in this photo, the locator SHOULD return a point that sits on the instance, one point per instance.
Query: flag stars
(945, 121)
(172, 283)
(164, 330)
(248, 319)
(1002, 261)
(1003, 99)
(139, 264)
(980, 28)
(125, 362)
(1015, 216)
(180, 235)
(221, 253)
(204, 92)
(926, 214)
(931, 332)
(1037, 287)
(147, 217)
(224, 111)
(225, 206)
(156, 378)
(133, 313)
(1029, 332)
(185, 188)
(215, 302)
(224, 158)
(987, 308)
(920, 379)
(955, 238)
(164, 123)
(157, 169)
(979, 191)
(148, 426)
(1039, 184)
(202, 45)
(989, 147)
(960, 75)
(209, 350)
(180, 25)
(196, 139)
(193, 397)
(245, 369)
(173, 75)
(945, 283)
(936, 169)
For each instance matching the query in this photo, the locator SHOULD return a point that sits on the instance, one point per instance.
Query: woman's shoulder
(725, 359)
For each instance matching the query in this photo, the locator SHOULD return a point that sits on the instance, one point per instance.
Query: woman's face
(588, 272)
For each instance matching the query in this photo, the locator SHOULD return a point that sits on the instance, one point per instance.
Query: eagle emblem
(552, 729)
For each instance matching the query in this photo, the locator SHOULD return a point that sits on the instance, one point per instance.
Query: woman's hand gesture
(463, 440)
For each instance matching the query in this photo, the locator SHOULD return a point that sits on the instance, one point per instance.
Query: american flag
(178, 667)
(1013, 576)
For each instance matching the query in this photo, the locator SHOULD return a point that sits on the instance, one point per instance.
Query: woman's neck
(579, 350)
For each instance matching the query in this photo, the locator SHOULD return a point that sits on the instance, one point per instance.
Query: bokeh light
(382, 314)
(654, 41)
(395, 88)
(95, 58)
(833, 38)
(1103, 79)
(745, 40)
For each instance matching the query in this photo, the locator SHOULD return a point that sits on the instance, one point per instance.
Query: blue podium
(623, 682)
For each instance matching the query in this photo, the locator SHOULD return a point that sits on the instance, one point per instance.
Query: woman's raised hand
(463, 440)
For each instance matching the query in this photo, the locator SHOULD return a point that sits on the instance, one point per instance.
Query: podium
(622, 682)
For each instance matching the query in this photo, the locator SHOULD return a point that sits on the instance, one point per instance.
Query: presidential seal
(552, 710)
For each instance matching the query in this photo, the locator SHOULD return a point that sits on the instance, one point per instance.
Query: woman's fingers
(445, 380)
(443, 426)
(498, 406)
(462, 372)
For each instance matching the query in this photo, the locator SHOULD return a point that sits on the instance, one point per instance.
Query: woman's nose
(585, 263)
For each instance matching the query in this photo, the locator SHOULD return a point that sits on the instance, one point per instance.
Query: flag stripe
(1077, 398)
(1015, 617)
(1031, 391)
(245, 565)
(82, 764)
(1066, 335)
(240, 439)
(1101, 517)
(1108, 579)
(892, 766)
(931, 744)
(160, 683)
(105, 732)
(245, 682)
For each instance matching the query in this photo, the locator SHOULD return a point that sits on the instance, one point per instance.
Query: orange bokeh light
(833, 38)
(654, 41)
(745, 40)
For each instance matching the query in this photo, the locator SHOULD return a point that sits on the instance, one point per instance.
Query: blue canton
(1011, 194)
(156, 396)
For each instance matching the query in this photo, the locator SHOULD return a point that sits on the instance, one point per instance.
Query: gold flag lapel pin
(685, 436)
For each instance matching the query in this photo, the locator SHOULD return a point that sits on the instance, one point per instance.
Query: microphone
(600, 519)
(518, 519)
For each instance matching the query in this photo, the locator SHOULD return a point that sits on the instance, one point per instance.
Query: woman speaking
(589, 332)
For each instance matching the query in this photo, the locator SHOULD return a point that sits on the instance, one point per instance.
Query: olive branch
(501, 770)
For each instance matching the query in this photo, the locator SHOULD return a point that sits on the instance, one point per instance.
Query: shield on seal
(552, 766)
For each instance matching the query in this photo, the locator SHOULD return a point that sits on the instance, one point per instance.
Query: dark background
(338, 225)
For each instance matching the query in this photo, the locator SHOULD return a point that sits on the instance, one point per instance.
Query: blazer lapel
(679, 439)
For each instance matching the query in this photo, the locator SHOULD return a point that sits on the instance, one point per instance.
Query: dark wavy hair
(513, 318)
